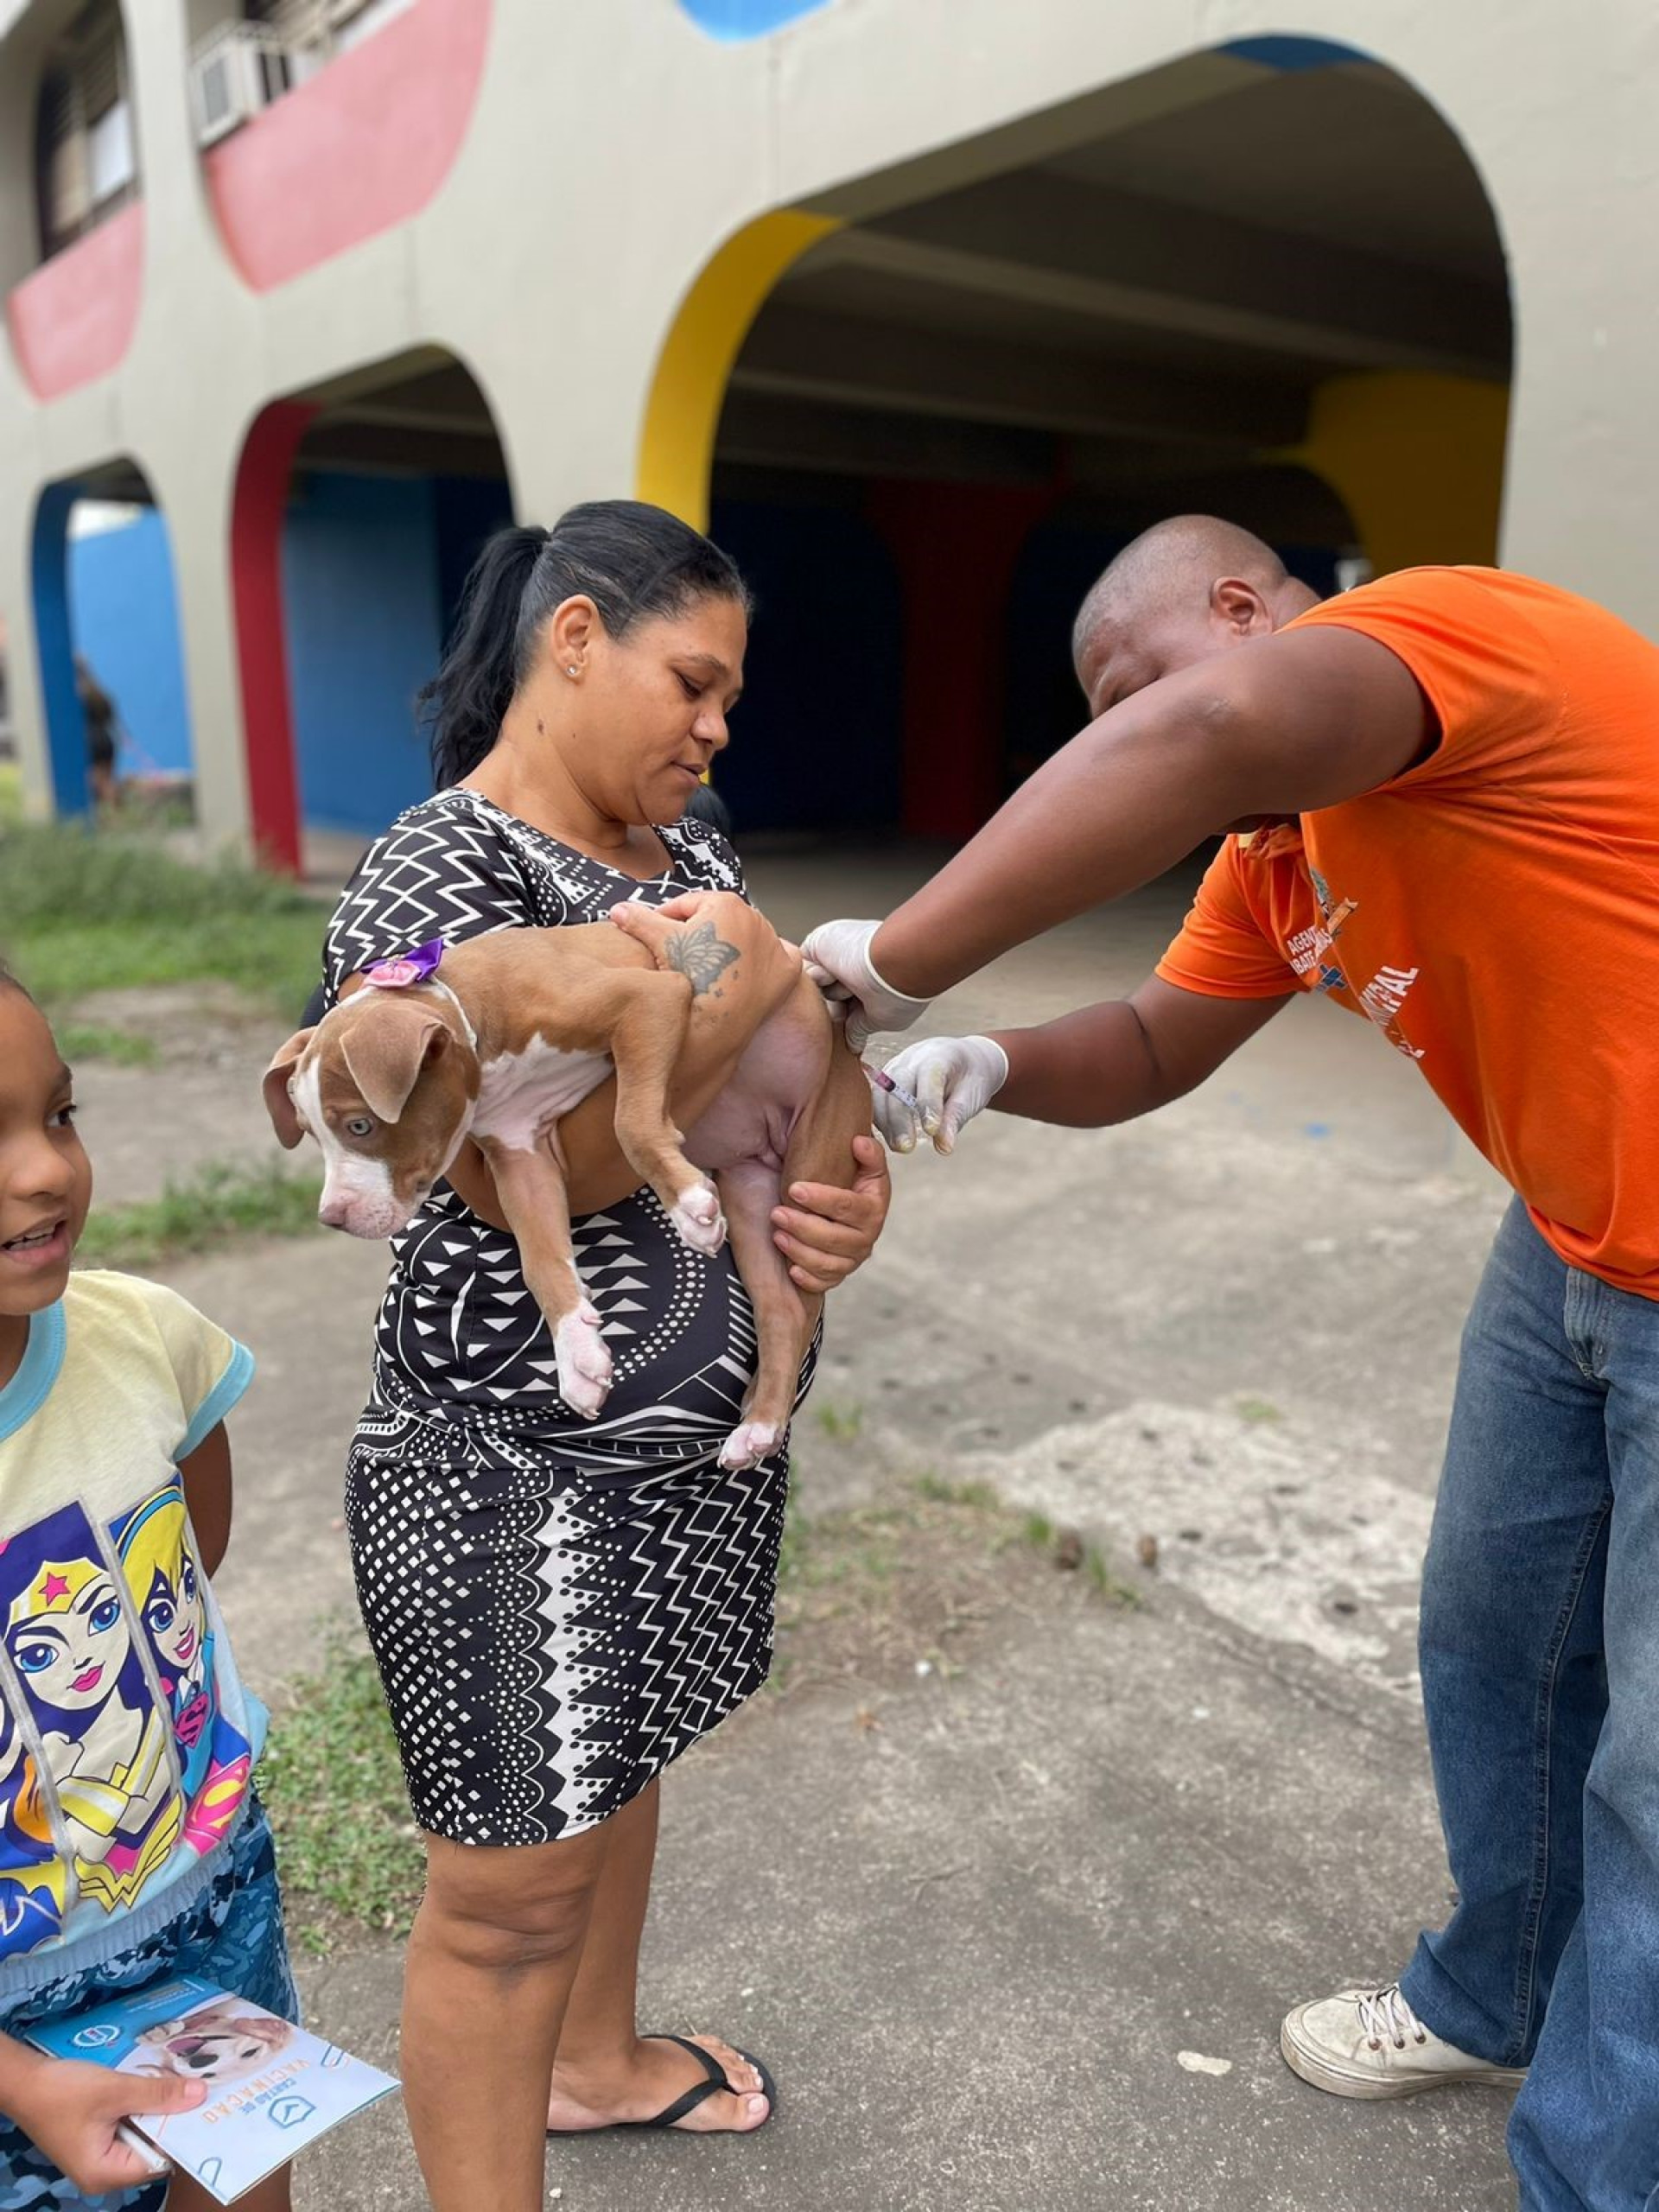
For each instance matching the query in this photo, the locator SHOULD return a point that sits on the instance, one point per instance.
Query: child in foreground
(131, 1843)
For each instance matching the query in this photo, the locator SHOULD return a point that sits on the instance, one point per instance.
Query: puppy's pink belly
(741, 1125)
(753, 1116)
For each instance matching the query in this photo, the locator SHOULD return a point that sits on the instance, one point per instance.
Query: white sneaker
(1368, 2043)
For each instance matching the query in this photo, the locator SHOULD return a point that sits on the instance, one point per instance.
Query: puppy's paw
(584, 1364)
(697, 1216)
(749, 1443)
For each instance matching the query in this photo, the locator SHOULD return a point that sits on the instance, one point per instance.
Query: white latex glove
(951, 1078)
(837, 956)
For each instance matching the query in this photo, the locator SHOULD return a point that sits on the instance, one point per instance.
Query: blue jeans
(1540, 1647)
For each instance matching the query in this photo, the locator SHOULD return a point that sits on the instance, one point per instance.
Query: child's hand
(70, 2112)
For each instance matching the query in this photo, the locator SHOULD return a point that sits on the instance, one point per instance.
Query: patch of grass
(96, 1041)
(219, 1205)
(841, 1548)
(86, 911)
(840, 1423)
(11, 793)
(1258, 1409)
(947, 1493)
(331, 1782)
(883, 1587)
(276, 958)
(63, 872)
(1105, 1582)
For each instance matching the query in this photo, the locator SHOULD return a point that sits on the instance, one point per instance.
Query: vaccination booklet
(272, 2088)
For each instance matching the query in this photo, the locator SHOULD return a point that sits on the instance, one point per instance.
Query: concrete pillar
(23, 685)
(195, 513)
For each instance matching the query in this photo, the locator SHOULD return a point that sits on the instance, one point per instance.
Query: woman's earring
(571, 670)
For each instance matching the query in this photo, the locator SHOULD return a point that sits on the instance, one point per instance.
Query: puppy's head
(218, 2043)
(386, 1087)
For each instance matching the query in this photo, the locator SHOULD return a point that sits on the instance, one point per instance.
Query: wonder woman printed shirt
(126, 1741)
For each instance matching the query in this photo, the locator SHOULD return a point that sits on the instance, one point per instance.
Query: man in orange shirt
(1443, 794)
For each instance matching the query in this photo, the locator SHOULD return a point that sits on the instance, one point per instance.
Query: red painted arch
(260, 502)
(73, 320)
(361, 147)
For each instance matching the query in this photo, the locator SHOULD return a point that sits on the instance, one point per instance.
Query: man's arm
(1104, 1064)
(1125, 1056)
(1282, 726)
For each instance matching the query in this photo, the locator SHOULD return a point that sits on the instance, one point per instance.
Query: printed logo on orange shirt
(1383, 997)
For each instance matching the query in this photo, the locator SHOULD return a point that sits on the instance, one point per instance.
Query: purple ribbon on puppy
(415, 966)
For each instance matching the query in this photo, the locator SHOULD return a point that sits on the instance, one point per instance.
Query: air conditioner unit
(233, 73)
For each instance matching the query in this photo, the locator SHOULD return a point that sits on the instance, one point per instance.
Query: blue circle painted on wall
(741, 19)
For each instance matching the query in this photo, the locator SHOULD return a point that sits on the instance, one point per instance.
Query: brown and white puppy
(515, 1029)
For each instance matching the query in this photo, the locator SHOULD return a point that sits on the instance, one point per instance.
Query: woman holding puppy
(558, 1607)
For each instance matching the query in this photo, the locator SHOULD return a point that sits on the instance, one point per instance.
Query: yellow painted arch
(688, 389)
(1418, 460)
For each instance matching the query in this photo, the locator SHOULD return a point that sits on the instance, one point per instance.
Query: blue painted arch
(65, 731)
(109, 595)
(1291, 55)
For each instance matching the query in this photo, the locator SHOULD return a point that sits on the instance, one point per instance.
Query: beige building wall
(613, 149)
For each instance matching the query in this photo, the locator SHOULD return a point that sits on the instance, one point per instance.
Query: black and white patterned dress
(558, 1606)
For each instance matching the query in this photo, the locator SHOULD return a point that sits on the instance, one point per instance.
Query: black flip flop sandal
(698, 2094)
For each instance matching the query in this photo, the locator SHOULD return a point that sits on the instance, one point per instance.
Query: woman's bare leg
(492, 1957)
(605, 2072)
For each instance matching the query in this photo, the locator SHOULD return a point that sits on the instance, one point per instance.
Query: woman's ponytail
(631, 560)
(474, 687)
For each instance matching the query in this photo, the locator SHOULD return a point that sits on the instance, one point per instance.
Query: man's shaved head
(1175, 563)
(1185, 589)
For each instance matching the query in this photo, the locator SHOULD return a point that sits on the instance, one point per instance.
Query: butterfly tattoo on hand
(701, 956)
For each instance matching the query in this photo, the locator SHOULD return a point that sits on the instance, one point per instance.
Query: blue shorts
(231, 1934)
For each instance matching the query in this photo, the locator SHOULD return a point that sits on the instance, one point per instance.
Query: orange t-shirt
(1495, 910)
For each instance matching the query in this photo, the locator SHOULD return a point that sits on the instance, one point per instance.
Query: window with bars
(323, 28)
(268, 48)
(87, 162)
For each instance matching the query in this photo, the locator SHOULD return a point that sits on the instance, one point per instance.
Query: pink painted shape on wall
(73, 320)
(359, 148)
